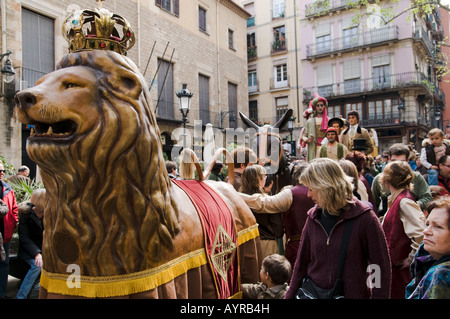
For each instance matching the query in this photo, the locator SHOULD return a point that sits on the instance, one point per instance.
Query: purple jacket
(318, 254)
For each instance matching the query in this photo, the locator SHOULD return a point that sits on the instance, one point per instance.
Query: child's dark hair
(278, 268)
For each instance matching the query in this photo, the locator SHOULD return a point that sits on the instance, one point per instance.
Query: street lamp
(291, 125)
(185, 104)
(291, 128)
(8, 75)
(437, 115)
(401, 111)
(232, 118)
(7, 69)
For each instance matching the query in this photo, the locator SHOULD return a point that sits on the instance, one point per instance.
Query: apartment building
(201, 43)
(273, 45)
(389, 72)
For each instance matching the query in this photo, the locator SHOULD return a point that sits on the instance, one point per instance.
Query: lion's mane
(108, 191)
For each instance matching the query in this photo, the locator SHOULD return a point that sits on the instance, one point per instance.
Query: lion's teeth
(50, 131)
(33, 131)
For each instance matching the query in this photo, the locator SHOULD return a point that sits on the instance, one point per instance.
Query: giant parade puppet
(115, 224)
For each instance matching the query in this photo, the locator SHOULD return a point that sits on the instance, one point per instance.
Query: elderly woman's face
(436, 239)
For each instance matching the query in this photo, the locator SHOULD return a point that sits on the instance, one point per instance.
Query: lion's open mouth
(55, 130)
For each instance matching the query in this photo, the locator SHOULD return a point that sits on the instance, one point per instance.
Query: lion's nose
(25, 99)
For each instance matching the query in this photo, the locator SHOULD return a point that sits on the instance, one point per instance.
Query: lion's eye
(70, 85)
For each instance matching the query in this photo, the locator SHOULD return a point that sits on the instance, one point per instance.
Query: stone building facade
(201, 43)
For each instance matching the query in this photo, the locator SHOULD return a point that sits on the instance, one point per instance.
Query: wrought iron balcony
(278, 46)
(374, 84)
(352, 42)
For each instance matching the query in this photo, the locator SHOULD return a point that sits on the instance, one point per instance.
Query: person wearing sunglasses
(7, 225)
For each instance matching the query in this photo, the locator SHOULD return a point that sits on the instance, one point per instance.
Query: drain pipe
(3, 8)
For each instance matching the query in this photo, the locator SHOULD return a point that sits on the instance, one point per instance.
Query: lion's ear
(130, 85)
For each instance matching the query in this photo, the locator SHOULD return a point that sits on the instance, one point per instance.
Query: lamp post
(437, 116)
(401, 111)
(8, 75)
(291, 128)
(185, 104)
(7, 69)
(232, 118)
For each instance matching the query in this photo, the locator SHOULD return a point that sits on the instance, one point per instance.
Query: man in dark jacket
(31, 231)
(7, 226)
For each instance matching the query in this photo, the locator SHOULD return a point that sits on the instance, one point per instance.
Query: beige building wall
(191, 50)
(266, 94)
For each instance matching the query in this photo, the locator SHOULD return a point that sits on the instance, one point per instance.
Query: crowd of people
(398, 203)
(400, 220)
(390, 212)
(28, 215)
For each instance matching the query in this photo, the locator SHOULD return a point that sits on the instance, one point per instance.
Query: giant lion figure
(112, 214)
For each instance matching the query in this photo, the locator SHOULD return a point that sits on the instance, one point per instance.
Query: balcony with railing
(252, 89)
(278, 46)
(374, 84)
(252, 53)
(352, 42)
(276, 84)
(421, 35)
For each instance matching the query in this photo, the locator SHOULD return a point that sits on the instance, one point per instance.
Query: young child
(432, 152)
(275, 274)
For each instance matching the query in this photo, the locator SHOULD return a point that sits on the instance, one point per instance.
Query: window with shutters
(350, 32)
(280, 76)
(172, 6)
(324, 75)
(381, 71)
(203, 96)
(282, 105)
(252, 81)
(38, 46)
(232, 101)
(253, 110)
(352, 76)
(279, 39)
(278, 9)
(323, 38)
(231, 39)
(165, 103)
(202, 19)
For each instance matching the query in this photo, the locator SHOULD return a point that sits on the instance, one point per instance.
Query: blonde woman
(270, 226)
(403, 224)
(331, 189)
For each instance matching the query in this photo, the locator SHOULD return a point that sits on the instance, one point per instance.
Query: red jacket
(318, 254)
(11, 219)
(445, 184)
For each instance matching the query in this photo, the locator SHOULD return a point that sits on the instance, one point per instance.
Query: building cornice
(236, 8)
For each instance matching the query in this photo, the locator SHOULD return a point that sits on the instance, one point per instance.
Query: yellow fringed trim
(122, 285)
(248, 234)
